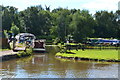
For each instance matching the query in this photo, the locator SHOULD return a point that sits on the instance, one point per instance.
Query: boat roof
(25, 35)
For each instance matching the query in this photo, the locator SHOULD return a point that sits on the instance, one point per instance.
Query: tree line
(60, 23)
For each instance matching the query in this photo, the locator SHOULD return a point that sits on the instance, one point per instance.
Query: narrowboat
(39, 45)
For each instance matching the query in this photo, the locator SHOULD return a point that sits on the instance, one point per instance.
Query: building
(3, 41)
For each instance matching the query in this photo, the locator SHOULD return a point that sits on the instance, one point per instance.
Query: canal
(45, 65)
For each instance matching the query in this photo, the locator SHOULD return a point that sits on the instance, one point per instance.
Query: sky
(91, 5)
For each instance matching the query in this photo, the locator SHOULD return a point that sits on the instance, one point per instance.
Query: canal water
(45, 65)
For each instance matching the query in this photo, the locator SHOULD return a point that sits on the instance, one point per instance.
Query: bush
(15, 29)
(56, 41)
(25, 53)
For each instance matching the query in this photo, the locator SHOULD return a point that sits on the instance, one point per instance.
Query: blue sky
(91, 5)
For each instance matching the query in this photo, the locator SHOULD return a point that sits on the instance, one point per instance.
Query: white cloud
(95, 5)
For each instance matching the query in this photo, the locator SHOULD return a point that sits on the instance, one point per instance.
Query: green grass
(69, 43)
(93, 54)
(4, 49)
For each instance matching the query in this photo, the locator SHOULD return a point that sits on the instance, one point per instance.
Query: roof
(25, 35)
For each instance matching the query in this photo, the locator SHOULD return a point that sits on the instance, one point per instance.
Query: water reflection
(45, 65)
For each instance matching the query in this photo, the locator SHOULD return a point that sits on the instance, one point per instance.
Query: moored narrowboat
(39, 46)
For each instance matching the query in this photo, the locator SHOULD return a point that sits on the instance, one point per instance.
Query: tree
(63, 24)
(35, 20)
(8, 16)
(105, 25)
(47, 8)
(117, 23)
(82, 25)
(14, 29)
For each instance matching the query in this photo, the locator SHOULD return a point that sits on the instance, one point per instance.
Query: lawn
(93, 54)
(4, 49)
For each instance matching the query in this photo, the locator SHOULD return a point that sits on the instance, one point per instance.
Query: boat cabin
(39, 45)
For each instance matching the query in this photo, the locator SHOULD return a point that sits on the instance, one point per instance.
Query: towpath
(7, 52)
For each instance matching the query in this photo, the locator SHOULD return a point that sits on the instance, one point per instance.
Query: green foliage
(63, 24)
(14, 29)
(9, 16)
(82, 23)
(56, 41)
(4, 34)
(50, 37)
(23, 53)
(29, 51)
(60, 22)
(106, 25)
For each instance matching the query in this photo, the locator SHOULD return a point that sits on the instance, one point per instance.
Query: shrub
(25, 53)
(15, 29)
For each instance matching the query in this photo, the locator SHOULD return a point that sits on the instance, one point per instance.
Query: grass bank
(92, 54)
(15, 55)
(4, 49)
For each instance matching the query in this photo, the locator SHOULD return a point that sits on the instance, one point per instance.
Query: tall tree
(63, 24)
(105, 24)
(82, 24)
(8, 17)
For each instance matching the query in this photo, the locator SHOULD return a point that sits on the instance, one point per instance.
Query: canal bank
(91, 55)
(10, 54)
